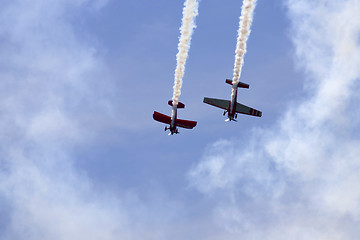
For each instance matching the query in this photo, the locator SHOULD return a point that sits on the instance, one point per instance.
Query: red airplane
(233, 107)
(173, 121)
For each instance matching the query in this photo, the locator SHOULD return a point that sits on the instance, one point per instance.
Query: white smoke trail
(190, 11)
(243, 35)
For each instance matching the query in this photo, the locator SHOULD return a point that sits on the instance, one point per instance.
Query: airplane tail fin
(240, 84)
(180, 105)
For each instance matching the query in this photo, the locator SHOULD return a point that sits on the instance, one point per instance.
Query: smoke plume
(190, 11)
(243, 35)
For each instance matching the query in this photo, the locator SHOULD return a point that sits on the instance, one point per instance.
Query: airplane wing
(220, 103)
(247, 110)
(161, 118)
(224, 104)
(179, 122)
(185, 123)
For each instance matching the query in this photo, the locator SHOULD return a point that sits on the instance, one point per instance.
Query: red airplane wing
(179, 122)
(185, 123)
(161, 118)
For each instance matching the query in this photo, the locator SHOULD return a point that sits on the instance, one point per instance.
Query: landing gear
(224, 113)
(235, 116)
(166, 128)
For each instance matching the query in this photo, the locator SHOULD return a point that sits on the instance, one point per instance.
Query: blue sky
(82, 158)
(143, 62)
(148, 62)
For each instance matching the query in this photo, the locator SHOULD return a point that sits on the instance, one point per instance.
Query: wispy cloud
(56, 96)
(49, 82)
(298, 178)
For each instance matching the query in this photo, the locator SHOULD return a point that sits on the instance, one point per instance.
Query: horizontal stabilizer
(220, 103)
(240, 84)
(180, 105)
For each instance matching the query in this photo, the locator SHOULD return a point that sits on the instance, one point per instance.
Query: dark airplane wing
(240, 108)
(247, 110)
(220, 103)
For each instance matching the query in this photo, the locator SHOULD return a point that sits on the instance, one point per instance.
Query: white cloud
(55, 96)
(49, 82)
(299, 178)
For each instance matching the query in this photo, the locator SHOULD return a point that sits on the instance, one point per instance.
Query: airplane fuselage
(173, 128)
(231, 112)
